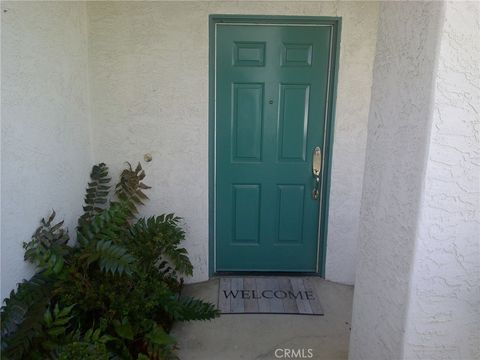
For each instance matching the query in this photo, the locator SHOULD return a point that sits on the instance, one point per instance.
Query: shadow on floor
(266, 336)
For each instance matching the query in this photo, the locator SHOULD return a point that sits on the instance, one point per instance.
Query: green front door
(271, 86)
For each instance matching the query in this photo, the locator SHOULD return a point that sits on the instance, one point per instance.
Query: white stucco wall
(398, 133)
(149, 89)
(46, 152)
(444, 308)
(417, 291)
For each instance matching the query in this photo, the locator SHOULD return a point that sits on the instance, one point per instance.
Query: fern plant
(96, 196)
(112, 294)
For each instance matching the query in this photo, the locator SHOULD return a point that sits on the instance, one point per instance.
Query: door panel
(246, 214)
(293, 121)
(247, 121)
(290, 213)
(271, 91)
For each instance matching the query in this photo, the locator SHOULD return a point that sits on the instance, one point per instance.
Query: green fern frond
(96, 197)
(22, 315)
(167, 224)
(48, 247)
(56, 320)
(161, 235)
(130, 187)
(112, 258)
(187, 309)
(100, 240)
(160, 344)
(111, 224)
(179, 258)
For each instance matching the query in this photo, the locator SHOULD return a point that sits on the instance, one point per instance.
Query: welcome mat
(269, 295)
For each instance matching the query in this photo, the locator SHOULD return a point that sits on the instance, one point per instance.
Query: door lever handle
(316, 169)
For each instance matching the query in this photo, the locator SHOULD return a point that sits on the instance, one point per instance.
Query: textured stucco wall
(46, 152)
(398, 133)
(444, 311)
(417, 291)
(149, 90)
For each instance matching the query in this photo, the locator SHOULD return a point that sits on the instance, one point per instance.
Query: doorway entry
(273, 94)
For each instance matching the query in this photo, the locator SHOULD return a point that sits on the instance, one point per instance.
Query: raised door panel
(290, 200)
(293, 121)
(246, 214)
(247, 122)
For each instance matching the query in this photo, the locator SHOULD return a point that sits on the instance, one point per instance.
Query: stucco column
(417, 285)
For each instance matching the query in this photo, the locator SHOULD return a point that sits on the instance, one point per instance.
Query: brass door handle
(316, 169)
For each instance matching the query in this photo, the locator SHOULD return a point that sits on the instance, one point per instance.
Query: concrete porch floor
(256, 337)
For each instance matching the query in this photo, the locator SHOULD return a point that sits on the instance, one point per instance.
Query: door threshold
(264, 273)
